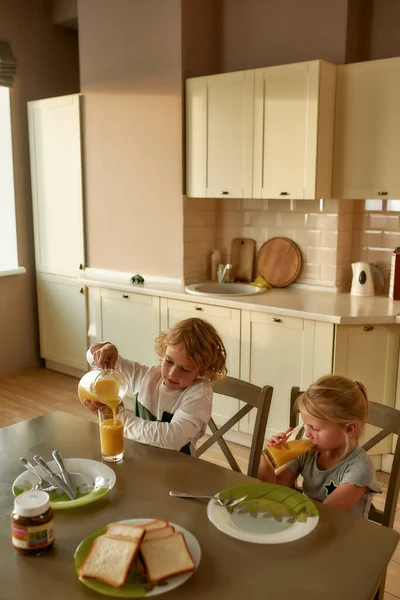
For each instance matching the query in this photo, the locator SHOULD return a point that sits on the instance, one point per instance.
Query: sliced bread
(156, 524)
(166, 557)
(109, 560)
(125, 530)
(152, 534)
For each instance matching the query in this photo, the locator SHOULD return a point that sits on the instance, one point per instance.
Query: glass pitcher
(103, 385)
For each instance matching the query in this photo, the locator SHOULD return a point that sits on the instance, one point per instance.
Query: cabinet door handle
(224, 193)
(82, 291)
(198, 308)
(276, 320)
(368, 328)
(125, 296)
(283, 193)
(81, 267)
(382, 193)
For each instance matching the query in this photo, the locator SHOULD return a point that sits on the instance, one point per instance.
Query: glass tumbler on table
(112, 433)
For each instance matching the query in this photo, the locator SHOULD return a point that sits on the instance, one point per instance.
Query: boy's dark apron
(144, 413)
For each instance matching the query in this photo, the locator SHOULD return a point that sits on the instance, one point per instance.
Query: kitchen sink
(224, 289)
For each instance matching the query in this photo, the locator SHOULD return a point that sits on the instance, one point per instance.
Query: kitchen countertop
(330, 307)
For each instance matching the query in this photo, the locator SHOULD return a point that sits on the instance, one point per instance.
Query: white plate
(271, 514)
(88, 474)
(131, 590)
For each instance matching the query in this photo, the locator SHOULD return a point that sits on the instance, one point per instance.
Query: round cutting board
(279, 261)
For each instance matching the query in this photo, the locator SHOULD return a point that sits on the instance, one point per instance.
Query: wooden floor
(31, 393)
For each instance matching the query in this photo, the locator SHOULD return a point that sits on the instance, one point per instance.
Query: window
(8, 231)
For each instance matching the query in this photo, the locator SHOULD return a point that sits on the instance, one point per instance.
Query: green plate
(92, 480)
(137, 585)
(271, 514)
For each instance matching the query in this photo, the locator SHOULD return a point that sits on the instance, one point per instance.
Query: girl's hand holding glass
(279, 438)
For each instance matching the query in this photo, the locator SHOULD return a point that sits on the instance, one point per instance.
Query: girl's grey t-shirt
(357, 469)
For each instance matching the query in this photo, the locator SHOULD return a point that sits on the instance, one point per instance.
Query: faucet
(224, 273)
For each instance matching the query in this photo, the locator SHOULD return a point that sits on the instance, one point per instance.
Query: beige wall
(131, 78)
(385, 27)
(65, 13)
(47, 66)
(260, 33)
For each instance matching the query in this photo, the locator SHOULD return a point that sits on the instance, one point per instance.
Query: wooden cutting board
(279, 261)
(242, 258)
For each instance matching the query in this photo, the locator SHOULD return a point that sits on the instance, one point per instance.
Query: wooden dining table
(342, 558)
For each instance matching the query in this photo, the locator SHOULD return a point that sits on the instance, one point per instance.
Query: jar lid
(31, 504)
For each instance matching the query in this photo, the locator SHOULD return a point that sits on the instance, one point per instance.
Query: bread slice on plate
(166, 557)
(155, 524)
(109, 560)
(152, 534)
(125, 530)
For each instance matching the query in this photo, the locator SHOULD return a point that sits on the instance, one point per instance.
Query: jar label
(32, 538)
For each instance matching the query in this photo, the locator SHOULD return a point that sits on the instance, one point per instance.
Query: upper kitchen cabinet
(367, 130)
(219, 135)
(56, 173)
(293, 130)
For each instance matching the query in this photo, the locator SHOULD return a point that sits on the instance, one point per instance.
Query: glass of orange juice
(112, 432)
(278, 455)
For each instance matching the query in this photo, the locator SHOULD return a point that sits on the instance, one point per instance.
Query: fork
(225, 502)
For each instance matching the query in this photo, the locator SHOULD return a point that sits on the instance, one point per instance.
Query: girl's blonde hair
(201, 343)
(336, 399)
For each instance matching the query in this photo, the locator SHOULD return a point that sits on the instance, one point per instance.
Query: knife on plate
(54, 478)
(64, 473)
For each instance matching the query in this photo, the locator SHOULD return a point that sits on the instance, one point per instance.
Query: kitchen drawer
(278, 320)
(143, 299)
(196, 309)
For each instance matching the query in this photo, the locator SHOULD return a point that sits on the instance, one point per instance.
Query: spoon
(226, 502)
(42, 484)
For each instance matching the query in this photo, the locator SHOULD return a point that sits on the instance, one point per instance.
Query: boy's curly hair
(201, 343)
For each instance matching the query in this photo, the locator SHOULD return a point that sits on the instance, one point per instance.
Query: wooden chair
(254, 397)
(387, 419)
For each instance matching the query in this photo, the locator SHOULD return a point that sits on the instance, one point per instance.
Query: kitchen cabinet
(367, 130)
(283, 352)
(227, 322)
(131, 322)
(370, 353)
(293, 130)
(264, 133)
(62, 320)
(219, 135)
(56, 174)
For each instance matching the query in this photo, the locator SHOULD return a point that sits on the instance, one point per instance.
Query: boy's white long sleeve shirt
(174, 419)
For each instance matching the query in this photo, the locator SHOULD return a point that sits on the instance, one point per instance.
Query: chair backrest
(387, 419)
(254, 397)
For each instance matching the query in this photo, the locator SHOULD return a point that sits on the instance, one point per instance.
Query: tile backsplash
(331, 234)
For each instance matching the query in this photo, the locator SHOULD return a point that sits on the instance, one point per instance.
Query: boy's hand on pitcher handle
(279, 438)
(105, 355)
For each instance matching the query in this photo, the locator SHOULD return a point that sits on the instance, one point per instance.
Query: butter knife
(64, 473)
(54, 478)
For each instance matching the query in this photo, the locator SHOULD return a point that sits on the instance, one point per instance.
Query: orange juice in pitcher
(104, 385)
